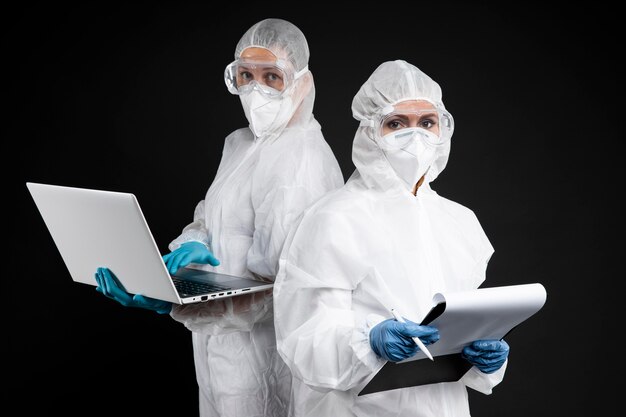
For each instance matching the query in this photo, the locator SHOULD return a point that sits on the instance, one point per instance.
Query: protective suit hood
(391, 83)
(286, 42)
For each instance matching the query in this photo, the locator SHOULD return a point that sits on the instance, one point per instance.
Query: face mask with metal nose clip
(266, 114)
(410, 153)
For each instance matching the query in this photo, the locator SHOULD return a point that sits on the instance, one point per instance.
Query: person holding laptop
(269, 173)
(385, 242)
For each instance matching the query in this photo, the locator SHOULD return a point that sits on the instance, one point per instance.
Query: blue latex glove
(187, 253)
(110, 286)
(392, 340)
(486, 355)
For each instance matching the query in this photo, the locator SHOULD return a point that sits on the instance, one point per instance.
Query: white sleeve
(223, 315)
(317, 333)
(482, 382)
(328, 349)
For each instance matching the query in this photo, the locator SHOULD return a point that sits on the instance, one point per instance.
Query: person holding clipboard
(384, 241)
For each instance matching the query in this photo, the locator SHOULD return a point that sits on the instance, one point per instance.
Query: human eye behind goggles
(268, 76)
(397, 122)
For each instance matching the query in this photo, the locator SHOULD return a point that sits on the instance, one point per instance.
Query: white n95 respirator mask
(266, 114)
(410, 153)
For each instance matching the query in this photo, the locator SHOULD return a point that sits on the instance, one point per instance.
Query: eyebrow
(400, 116)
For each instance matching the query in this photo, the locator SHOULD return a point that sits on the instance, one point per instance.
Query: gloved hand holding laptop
(110, 286)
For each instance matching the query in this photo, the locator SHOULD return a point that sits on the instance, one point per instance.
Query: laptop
(95, 228)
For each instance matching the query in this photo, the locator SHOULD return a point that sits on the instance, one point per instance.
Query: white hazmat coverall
(261, 187)
(366, 248)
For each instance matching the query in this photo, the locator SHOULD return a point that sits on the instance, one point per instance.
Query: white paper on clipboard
(461, 318)
(483, 313)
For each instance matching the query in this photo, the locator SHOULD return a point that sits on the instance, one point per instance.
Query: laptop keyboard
(188, 288)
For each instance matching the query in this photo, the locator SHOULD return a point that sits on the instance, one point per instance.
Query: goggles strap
(301, 72)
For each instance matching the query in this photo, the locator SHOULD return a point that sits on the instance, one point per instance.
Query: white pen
(416, 339)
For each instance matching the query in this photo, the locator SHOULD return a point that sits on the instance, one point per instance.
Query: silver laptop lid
(94, 228)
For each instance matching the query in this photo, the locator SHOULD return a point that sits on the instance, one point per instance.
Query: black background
(131, 98)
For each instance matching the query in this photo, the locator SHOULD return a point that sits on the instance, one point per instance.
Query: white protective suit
(364, 249)
(261, 187)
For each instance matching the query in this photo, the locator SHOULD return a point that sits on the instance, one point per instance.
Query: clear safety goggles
(270, 78)
(397, 128)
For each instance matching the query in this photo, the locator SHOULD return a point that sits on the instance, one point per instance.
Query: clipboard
(461, 317)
